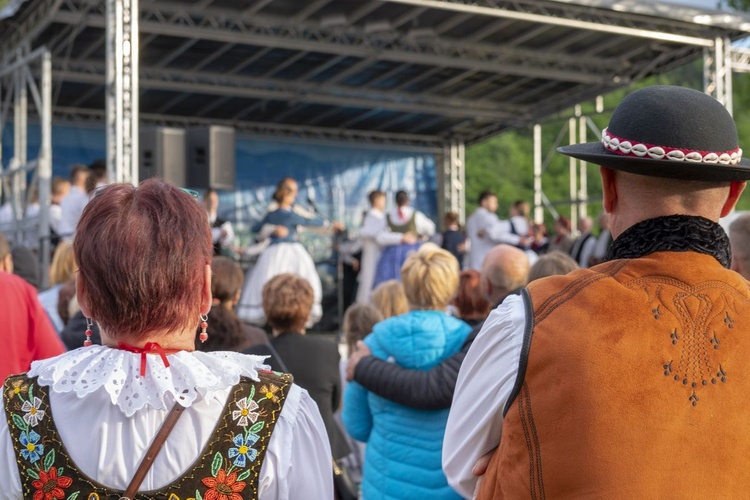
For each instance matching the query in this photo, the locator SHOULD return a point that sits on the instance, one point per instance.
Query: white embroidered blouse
(107, 416)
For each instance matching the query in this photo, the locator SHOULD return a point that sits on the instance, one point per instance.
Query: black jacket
(424, 390)
(314, 363)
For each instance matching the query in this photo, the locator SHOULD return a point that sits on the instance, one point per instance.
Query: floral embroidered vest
(228, 467)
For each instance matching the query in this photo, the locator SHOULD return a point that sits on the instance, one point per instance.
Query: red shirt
(28, 334)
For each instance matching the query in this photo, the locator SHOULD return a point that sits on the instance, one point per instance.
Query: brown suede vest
(637, 385)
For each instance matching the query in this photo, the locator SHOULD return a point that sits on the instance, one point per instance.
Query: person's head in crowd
(377, 200)
(402, 198)
(78, 176)
(430, 278)
(59, 189)
(562, 225)
(358, 322)
(63, 265)
(488, 201)
(144, 256)
(287, 302)
(470, 300)
(450, 219)
(389, 299)
(539, 231)
(585, 224)
(739, 239)
(67, 304)
(98, 176)
(226, 284)
(520, 208)
(505, 269)
(226, 331)
(552, 264)
(26, 265)
(286, 192)
(6, 256)
(211, 200)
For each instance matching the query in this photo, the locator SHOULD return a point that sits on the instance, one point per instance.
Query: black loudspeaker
(162, 154)
(211, 157)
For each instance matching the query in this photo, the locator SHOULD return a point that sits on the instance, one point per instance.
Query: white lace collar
(191, 376)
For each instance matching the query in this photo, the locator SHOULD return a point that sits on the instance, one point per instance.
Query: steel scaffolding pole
(572, 163)
(717, 71)
(538, 208)
(122, 90)
(452, 179)
(18, 85)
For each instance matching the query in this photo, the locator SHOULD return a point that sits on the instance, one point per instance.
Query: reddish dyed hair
(141, 254)
(470, 299)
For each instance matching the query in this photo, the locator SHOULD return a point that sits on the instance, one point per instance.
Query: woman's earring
(204, 324)
(87, 342)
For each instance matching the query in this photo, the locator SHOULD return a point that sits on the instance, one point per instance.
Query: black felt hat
(666, 131)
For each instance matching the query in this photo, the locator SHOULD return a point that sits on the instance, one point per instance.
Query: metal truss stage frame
(428, 75)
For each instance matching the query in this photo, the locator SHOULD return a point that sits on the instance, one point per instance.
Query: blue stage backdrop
(337, 178)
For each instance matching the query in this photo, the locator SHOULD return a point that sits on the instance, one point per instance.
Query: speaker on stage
(162, 154)
(211, 157)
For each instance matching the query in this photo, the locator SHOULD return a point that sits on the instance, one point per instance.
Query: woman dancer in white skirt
(284, 255)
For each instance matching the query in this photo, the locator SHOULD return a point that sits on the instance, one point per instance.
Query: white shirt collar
(190, 377)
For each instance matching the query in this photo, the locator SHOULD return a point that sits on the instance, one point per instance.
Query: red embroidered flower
(49, 486)
(223, 487)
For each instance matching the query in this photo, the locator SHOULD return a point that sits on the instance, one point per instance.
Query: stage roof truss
(404, 72)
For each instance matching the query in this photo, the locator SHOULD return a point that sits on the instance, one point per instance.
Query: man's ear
(82, 297)
(735, 191)
(206, 296)
(609, 189)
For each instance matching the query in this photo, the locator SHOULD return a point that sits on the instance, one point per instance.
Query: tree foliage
(504, 164)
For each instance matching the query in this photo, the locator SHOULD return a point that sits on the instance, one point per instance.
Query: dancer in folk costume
(284, 255)
(374, 224)
(406, 226)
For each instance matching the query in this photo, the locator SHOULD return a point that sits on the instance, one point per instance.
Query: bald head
(504, 269)
(631, 198)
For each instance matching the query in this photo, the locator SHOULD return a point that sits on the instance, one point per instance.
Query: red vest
(637, 385)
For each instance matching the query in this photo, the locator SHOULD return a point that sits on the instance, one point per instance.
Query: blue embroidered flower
(243, 449)
(32, 450)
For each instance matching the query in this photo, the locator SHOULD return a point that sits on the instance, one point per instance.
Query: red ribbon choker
(148, 348)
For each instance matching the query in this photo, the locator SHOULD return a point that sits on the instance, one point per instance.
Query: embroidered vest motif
(409, 226)
(225, 469)
(635, 385)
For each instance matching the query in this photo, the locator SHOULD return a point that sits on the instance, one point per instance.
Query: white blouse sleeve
(9, 479)
(485, 382)
(425, 226)
(300, 466)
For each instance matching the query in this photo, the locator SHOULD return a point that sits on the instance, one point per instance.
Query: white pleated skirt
(279, 259)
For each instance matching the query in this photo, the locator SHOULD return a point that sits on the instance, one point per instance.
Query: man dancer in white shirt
(485, 230)
(222, 231)
(73, 204)
(373, 225)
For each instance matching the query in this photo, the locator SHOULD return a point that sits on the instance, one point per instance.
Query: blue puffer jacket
(404, 446)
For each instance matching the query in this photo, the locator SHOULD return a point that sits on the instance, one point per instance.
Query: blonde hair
(63, 265)
(358, 322)
(389, 298)
(430, 277)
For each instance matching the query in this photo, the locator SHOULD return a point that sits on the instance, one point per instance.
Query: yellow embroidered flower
(17, 387)
(269, 391)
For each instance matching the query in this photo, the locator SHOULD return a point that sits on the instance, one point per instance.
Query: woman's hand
(281, 231)
(361, 352)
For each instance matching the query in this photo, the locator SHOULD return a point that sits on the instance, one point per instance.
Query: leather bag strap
(153, 451)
